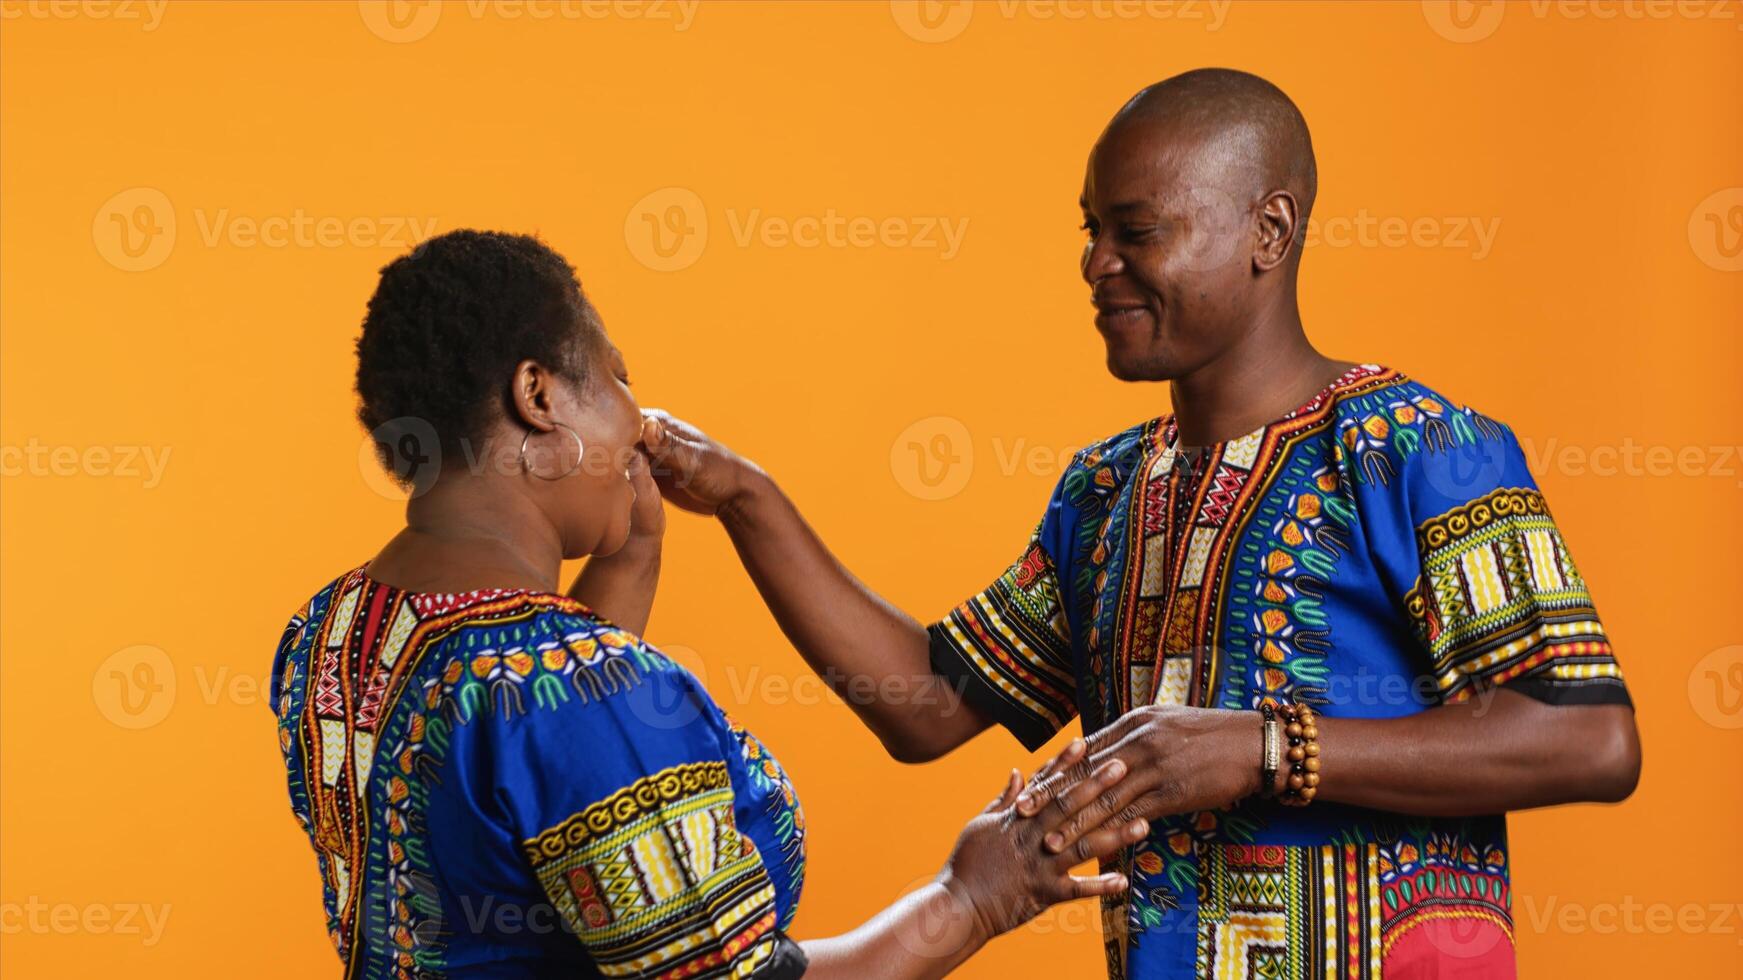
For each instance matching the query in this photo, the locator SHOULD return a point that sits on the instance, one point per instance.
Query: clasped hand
(1180, 759)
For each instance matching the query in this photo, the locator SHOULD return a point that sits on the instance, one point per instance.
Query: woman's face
(591, 505)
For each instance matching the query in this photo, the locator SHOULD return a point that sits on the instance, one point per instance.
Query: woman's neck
(472, 531)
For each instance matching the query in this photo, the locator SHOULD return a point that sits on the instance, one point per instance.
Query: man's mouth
(1112, 316)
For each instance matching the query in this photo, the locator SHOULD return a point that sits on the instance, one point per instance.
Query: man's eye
(1088, 227)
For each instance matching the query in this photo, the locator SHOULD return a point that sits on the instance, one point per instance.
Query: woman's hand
(999, 871)
(693, 471)
(647, 517)
(620, 586)
(997, 879)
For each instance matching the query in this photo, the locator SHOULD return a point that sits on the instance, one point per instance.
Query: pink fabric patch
(1451, 948)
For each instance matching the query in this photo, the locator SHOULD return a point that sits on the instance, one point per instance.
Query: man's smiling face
(1168, 211)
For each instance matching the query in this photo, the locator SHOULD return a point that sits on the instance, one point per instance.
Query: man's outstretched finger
(1076, 802)
(1093, 803)
(674, 460)
(1102, 841)
(1100, 747)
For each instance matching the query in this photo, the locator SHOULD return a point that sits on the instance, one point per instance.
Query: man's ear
(1279, 218)
(531, 396)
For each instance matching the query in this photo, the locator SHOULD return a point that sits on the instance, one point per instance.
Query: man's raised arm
(873, 655)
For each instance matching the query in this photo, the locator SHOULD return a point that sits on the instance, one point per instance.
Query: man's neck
(1272, 371)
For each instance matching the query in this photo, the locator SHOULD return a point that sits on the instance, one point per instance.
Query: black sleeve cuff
(949, 663)
(1599, 690)
(788, 963)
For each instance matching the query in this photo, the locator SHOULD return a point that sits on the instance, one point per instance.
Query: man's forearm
(1500, 752)
(873, 655)
(1490, 755)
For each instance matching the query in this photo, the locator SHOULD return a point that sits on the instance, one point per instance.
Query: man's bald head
(1236, 124)
(1196, 201)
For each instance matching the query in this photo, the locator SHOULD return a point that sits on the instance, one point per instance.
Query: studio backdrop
(844, 239)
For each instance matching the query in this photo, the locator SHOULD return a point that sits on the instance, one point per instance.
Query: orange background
(1605, 313)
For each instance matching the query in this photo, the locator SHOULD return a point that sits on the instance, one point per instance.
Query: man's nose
(1099, 260)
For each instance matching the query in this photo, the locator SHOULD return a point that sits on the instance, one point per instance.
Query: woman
(502, 780)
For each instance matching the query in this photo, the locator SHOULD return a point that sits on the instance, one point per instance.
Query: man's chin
(1130, 366)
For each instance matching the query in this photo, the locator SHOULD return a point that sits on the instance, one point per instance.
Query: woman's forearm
(621, 586)
(925, 934)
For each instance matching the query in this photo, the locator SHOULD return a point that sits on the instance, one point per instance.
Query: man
(1299, 531)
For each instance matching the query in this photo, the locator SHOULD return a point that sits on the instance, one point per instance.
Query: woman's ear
(532, 395)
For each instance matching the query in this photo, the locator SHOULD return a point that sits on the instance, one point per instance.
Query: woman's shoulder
(510, 652)
(497, 652)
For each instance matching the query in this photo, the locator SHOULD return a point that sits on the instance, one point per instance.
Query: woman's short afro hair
(447, 325)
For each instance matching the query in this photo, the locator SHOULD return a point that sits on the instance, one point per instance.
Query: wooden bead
(1297, 753)
(1311, 779)
(1311, 731)
(1293, 730)
(1312, 748)
(1312, 765)
(1296, 781)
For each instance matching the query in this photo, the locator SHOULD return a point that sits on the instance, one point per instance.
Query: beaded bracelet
(1301, 729)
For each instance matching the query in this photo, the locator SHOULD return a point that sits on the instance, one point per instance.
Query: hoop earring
(580, 452)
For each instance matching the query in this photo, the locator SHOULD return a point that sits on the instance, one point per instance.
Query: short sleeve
(1008, 648)
(1494, 594)
(625, 810)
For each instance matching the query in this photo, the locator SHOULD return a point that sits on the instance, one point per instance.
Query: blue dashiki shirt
(501, 783)
(1378, 551)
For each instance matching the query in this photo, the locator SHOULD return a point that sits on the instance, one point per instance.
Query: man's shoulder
(1399, 432)
(1391, 399)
